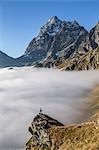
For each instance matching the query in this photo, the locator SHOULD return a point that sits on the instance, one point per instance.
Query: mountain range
(60, 44)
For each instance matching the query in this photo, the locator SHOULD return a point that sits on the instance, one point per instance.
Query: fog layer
(23, 91)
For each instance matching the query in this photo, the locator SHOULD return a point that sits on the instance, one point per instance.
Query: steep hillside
(94, 36)
(88, 61)
(48, 134)
(5, 60)
(94, 98)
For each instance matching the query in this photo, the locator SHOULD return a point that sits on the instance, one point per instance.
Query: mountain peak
(52, 26)
(53, 19)
(75, 22)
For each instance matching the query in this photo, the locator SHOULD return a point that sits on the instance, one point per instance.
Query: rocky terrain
(88, 61)
(39, 130)
(49, 134)
(57, 42)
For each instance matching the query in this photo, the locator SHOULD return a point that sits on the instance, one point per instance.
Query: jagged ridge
(57, 42)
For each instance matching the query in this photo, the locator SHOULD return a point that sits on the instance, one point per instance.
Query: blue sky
(20, 20)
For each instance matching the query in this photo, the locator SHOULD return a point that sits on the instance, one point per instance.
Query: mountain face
(58, 39)
(5, 60)
(88, 61)
(94, 36)
(57, 42)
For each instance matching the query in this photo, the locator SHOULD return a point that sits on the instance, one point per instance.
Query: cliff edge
(49, 134)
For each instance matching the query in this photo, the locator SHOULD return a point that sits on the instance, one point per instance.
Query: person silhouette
(40, 110)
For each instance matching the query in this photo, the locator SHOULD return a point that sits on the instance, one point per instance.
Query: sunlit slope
(84, 136)
(95, 100)
(77, 137)
(86, 62)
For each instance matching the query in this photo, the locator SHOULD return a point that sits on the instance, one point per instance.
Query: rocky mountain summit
(58, 39)
(57, 42)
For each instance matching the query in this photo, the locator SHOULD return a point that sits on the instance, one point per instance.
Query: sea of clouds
(23, 91)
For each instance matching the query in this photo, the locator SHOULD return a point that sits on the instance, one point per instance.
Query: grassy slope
(77, 137)
(84, 136)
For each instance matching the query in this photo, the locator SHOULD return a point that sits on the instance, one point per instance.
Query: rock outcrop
(88, 61)
(40, 135)
(94, 36)
(49, 134)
